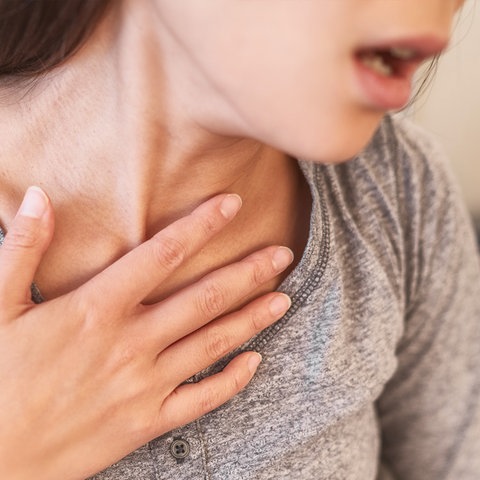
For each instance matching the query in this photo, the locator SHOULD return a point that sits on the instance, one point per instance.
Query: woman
(168, 104)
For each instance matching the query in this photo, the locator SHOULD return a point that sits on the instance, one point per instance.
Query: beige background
(451, 107)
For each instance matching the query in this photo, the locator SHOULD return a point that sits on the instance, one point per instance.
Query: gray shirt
(374, 373)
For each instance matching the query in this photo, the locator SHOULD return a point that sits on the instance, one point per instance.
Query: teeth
(403, 53)
(378, 64)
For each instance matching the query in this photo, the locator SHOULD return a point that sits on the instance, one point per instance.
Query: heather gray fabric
(375, 371)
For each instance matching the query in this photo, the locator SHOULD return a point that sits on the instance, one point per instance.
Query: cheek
(290, 88)
(313, 116)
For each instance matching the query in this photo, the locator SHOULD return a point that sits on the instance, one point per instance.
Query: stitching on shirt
(154, 463)
(204, 450)
(311, 283)
(302, 293)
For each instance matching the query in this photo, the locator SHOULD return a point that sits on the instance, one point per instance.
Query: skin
(158, 88)
(87, 377)
(168, 104)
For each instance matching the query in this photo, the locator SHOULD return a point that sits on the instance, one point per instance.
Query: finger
(200, 303)
(140, 271)
(190, 401)
(27, 239)
(205, 346)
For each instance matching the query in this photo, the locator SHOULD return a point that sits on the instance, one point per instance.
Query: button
(180, 449)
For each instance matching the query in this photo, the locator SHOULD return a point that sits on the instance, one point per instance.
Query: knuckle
(78, 302)
(212, 300)
(87, 311)
(260, 272)
(217, 343)
(155, 424)
(141, 427)
(236, 383)
(211, 398)
(208, 400)
(256, 320)
(168, 252)
(125, 355)
(208, 224)
(21, 237)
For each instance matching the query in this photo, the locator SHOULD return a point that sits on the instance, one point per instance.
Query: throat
(277, 213)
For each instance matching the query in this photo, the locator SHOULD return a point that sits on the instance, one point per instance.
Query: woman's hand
(90, 376)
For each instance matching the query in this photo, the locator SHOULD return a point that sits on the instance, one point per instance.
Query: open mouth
(388, 62)
(385, 69)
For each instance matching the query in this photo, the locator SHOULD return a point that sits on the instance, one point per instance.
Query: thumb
(26, 241)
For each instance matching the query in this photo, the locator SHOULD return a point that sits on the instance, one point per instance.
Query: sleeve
(429, 412)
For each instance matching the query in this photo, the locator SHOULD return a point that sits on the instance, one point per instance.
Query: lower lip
(382, 92)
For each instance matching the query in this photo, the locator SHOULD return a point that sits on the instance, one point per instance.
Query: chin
(330, 143)
(328, 151)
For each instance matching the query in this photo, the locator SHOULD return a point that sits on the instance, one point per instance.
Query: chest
(310, 411)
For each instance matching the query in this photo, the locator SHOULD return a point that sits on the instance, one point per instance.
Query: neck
(122, 153)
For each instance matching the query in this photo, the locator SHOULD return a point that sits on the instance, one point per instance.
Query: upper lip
(424, 46)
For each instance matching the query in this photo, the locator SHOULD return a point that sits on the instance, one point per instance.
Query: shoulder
(421, 171)
(398, 200)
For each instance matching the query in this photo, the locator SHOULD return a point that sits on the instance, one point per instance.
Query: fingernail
(230, 205)
(34, 203)
(282, 258)
(253, 362)
(279, 305)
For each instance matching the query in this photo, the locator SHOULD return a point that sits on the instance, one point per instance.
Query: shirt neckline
(298, 284)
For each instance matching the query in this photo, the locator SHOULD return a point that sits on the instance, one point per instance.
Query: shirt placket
(180, 454)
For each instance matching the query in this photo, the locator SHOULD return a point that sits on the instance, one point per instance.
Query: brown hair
(37, 35)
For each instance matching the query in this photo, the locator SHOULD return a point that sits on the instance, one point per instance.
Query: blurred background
(450, 108)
